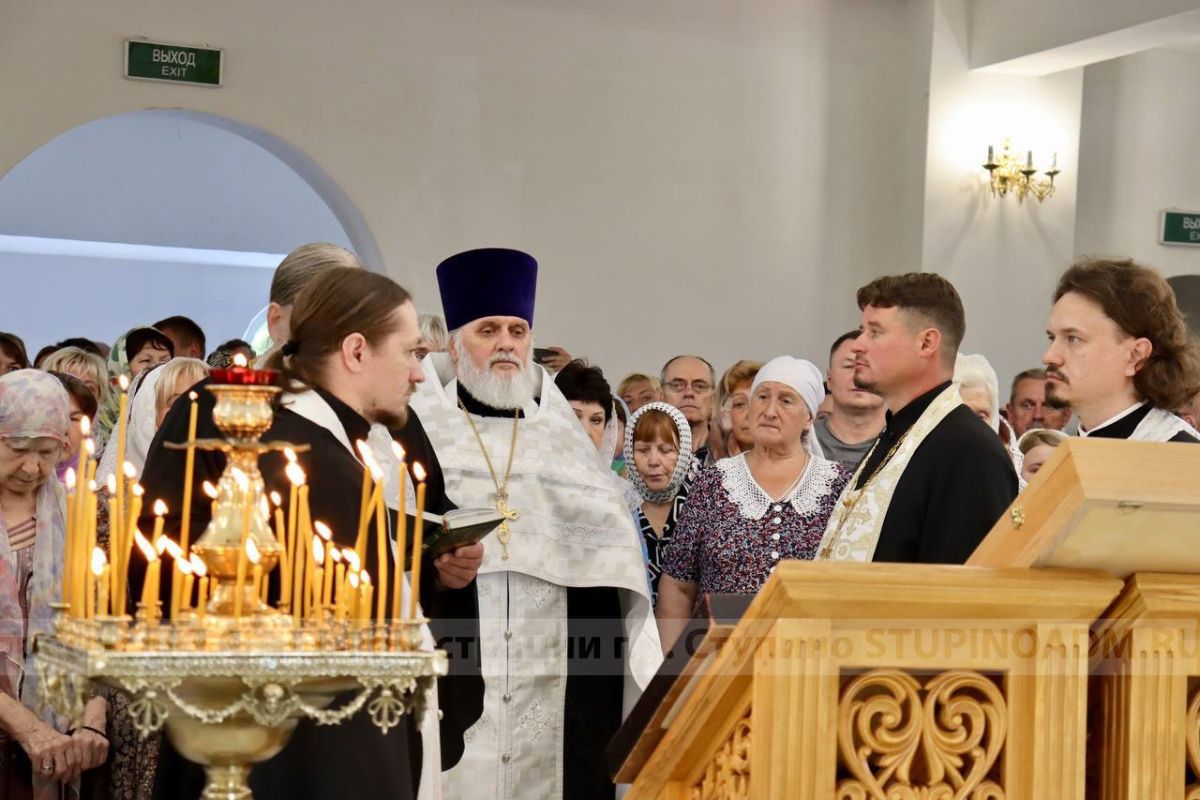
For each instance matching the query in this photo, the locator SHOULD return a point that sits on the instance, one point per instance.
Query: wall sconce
(1008, 174)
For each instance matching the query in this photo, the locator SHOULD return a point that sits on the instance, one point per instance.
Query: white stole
(313, 408)
(852, 533)
(1161, 426)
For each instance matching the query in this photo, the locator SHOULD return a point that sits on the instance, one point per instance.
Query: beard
(505, 392)
(1056, 390)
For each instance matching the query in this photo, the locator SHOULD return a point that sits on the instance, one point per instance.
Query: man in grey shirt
(856, 416)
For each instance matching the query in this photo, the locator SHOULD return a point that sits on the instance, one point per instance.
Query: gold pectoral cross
(509, 514)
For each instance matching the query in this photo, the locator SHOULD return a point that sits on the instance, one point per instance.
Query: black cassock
(354, 758)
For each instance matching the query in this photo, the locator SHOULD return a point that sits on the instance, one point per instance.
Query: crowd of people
(621, 508)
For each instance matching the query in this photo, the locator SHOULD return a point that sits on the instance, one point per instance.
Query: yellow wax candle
(239, 587)
(381, 544)
(116, 523)
(301, 557)
(122, 577)
(401, 531)
(114, 547)
(257, 581)
(339, 582)
(360, 542)
(189, 469)
(102, 590)
(312, 573)
(364, 508)
(414, 589)
(364, 604)
(350, 609)
(202, 598)
(181, 590)
(89, 610)
(285, 567)
(150, 585)
(93, 502)
(70, 541)
(188, 582)
(199, 573)
(327, 563)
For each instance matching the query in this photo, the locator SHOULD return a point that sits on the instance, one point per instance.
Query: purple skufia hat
(491, 282)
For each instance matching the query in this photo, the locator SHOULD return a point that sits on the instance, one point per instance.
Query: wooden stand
(863, 680)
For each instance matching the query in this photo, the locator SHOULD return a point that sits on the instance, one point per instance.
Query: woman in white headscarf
(980, 391)
(748, 512)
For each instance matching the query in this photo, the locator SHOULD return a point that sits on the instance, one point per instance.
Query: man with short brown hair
(1120, 352)
(1029, 408)
(938, 477)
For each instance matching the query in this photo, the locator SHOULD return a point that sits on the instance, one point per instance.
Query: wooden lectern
(890, 681)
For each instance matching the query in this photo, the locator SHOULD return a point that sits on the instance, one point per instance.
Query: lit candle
(90, 522)
(401, 531)
(339, 581)
(165, 545)
(255, 559)
(185, 522)
(414, 589)
(202, 597)
(209, 490)
(285, 567)
(239, 587)
(350, 608)
(373, 471)
(364, 604)
(118, 487)
(327, 566)
(312, 589)
(150, 585)
(181, 597)
(291, 592)
(100, 570)
(72, 541)
(381, 545)
(304, 562)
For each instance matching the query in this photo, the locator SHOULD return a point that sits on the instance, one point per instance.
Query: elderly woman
(38, 754)
(747, 512)
(658, 451)
(980, 391)
(434, 336)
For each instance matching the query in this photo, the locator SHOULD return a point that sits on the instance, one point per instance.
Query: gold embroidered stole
(852, 533)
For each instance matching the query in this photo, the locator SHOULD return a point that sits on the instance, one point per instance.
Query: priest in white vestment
(567, 635)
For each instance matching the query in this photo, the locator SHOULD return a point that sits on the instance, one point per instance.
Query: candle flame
(336, 555)
(166, 544)
(295, 474)
(197, 565)
(323, 530)
(318, 551)
(290, 455)
(160, 508)
(366, 578)
(398, 452)
(144, 545)
(184, 567)
(276, 500)
(239, 360)
(210, 490)
(123, 382)
(137, 490)
(111, 484)
(85, 425)
(130, 470)
(99, 561)
(193, 396)
(419, 472)
(70, 479)
(90, 446)
(252, 552)
(93, 487)
(263, 508)
(351, 559)
(353, 580)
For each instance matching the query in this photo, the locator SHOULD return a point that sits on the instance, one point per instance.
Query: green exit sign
(151, 61)
(1180, 227)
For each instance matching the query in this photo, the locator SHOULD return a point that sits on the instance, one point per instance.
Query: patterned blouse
(656, 545)
(731, 533)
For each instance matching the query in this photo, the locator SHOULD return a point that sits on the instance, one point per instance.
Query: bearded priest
(567, 639)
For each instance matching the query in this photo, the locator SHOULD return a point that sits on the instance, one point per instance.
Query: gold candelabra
(1009, 174)
(230, 679)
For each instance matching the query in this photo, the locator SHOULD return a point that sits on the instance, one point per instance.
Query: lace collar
(753, 503)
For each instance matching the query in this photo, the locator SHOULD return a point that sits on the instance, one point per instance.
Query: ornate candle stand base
(229, 709)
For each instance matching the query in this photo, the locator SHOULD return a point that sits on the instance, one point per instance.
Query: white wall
(148, 178)
(1003, 256)
(692, 174)
(1141, 123)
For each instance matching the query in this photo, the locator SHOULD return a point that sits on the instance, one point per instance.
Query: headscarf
(681, 466)
(140, 429)
(106, 415)
(805, 378)
(33, 404)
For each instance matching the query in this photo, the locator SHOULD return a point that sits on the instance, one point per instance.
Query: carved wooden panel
(903, 739)
(727, 776)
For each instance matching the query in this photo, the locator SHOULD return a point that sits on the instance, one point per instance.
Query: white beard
(506, 392)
